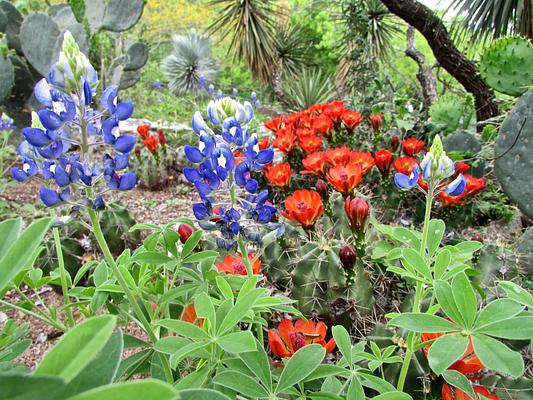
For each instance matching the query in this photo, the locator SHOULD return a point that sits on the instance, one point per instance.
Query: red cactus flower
(235, 265)
(345, 179)
(189, 314)
(238, 156)
(383, 159)
(274, 124)
(334, 110)
(185, 232)
(151, 144)
(304, 132)
(411, 147)
(303, 207)
(338, 156)
(162, 137)
(452, 393)
(351, 119)
(405, 165)
(323, 125)
(376, 122)
(357, 210)
(473, 187)
(263, 143)
(311, 143)
(143, 131)
(364, 159)
(461, 167)
(289, 338)
(285, 140)
(278, 175)
(314, 163)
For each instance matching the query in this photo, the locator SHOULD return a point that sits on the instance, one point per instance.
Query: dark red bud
(348, 256)
(322, 189)
(357, 211)
(395, 142)
(477, 237)
(137, 150)
(185, 232)
(162, 137)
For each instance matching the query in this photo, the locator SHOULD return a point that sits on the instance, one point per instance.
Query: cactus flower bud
(348, 256)
(395, 142)
(185, 232)
(322, 188)
(357, 211)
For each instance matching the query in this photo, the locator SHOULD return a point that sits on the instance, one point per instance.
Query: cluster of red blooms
(470, 365)
(150, 141)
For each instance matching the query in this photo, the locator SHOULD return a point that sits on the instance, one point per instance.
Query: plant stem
(411, 337)
(139, 314)
(55, 324)
(63, 276)
(244, 253)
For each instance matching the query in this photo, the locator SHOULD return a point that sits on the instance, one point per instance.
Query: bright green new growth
(452, 112)
(506, 65)
(513, 150)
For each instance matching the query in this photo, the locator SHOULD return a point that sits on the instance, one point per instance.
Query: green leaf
(416, 261)
(300, 365)
(344, 343)
(376, 383)
(204, 309)
(201, 394)
(468, 247)
(240, 383)
(407, 236)
(446, 350)
(147, 389)
(239, 310)
(185, 352)
(200, 256)
(77, 348)
(191, 243)
(465, 298)
(195, 379)
(151, 257)
(418, 322)
(9, 232)
(444, 295)
(237, 342)
(442, 262)
(520, 327)
(184, 328)
(258, 362)
(326, 370)
(24, 387)
(176, 292)
(101, 370)
(460, 381)
(436, 230)
(393, 396)
(224, 287)
(497, 356)
(170, 344)
(497, 310)
(355, 389)
(517, 293)
(23, 251)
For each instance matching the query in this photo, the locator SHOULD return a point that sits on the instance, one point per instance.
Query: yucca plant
(291, 47)
(249, 25)
(190, 60)
(491, 19)
(312, 86)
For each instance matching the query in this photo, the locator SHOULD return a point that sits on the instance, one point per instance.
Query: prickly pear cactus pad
(524, 252)
(13, 21)
(113, 15)
(7, 77)
(506, 65)
(513, 151)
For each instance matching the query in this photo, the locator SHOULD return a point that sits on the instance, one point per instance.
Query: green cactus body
(513, 152)
(452, 112)
(506, 65)
(524, 252)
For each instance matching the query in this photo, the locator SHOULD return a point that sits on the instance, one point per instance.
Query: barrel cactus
(512, 151)
(506, 65)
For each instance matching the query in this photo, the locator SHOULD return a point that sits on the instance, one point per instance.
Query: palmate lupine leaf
(249, 24)
(491, 19)
(190, 60)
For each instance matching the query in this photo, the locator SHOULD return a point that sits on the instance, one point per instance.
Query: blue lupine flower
(235, 92)
(29, 168)
(436, 168)
(211, 90)
(157, 85)
(6, 123)
(202, 82)
(67, 97)
(221, 136)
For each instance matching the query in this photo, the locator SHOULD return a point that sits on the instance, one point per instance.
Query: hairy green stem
(63, 276)
(56, 324)
(411, 338)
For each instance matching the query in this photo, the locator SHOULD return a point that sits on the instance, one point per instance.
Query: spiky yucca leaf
(311, 87)
(292, 48)
(190, 60)
(249, 24)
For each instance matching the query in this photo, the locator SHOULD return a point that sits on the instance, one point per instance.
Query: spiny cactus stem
(360, 244)
(350, 277)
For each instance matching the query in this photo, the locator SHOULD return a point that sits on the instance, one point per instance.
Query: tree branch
(448, 56)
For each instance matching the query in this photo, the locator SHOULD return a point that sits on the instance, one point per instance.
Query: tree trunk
(448, 56)
(425, 72)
